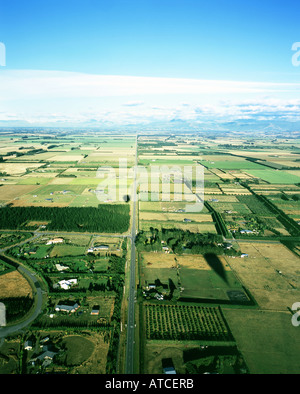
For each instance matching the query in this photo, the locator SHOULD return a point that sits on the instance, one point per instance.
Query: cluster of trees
(16, 307)
(105, 218)
(179, 241)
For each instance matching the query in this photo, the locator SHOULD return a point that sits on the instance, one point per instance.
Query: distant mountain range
(173, 125)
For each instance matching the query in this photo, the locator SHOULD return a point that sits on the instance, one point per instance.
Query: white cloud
(55, 96)
(21, 84)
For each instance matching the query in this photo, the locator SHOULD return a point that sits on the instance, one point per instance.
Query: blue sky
(225, 40)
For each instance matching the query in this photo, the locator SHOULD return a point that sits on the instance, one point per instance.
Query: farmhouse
(61, 267)
(55, 241)
(66, 284)
(67, 306)
(46, 357)
(101, 247)
(246, 232)
(98, 248)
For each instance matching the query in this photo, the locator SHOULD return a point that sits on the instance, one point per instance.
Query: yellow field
(18, 168)
(177, 217)
(9, 192)
(66, 158)
(192, 261)
(271, 273)
(159, 260)
(195, 261)
(13, 284)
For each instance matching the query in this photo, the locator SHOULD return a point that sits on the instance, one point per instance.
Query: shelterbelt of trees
(181, 241)
(105, 218)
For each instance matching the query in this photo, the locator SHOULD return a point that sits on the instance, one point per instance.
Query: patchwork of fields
(257, 277)
(218, 250)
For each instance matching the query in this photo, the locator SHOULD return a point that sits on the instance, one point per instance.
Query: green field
(207, 284)
(67, 250)
(267, 340)
(166, 162)
(230, 164)
(275, 176)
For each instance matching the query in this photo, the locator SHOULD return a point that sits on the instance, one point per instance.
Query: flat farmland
(66, 158)
(288, 163)
(11, 192)
(232, 207)
(234, 189)
(275, 176)
(13, 284)
(51, 195)
(165, 161)
(176, 217)
(35, 157)
(37, 179)
(289, 206)
(267, 339)
(18, 168)
(223, 198)
(167, 197)
(212, 191)
(78, 239)
(198, 277)
(168, 156)
(270, 272)
(202, 278)
(173, 206)
(67, 250)
(160, 266)
(230, 164)
(85, 201)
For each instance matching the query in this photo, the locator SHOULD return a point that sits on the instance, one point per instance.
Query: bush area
(105, 218)
(17, 307)
(180, 241)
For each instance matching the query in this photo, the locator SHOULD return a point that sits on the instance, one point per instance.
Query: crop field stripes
(185, 322)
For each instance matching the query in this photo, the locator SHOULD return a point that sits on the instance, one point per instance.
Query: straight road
(129, 367)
